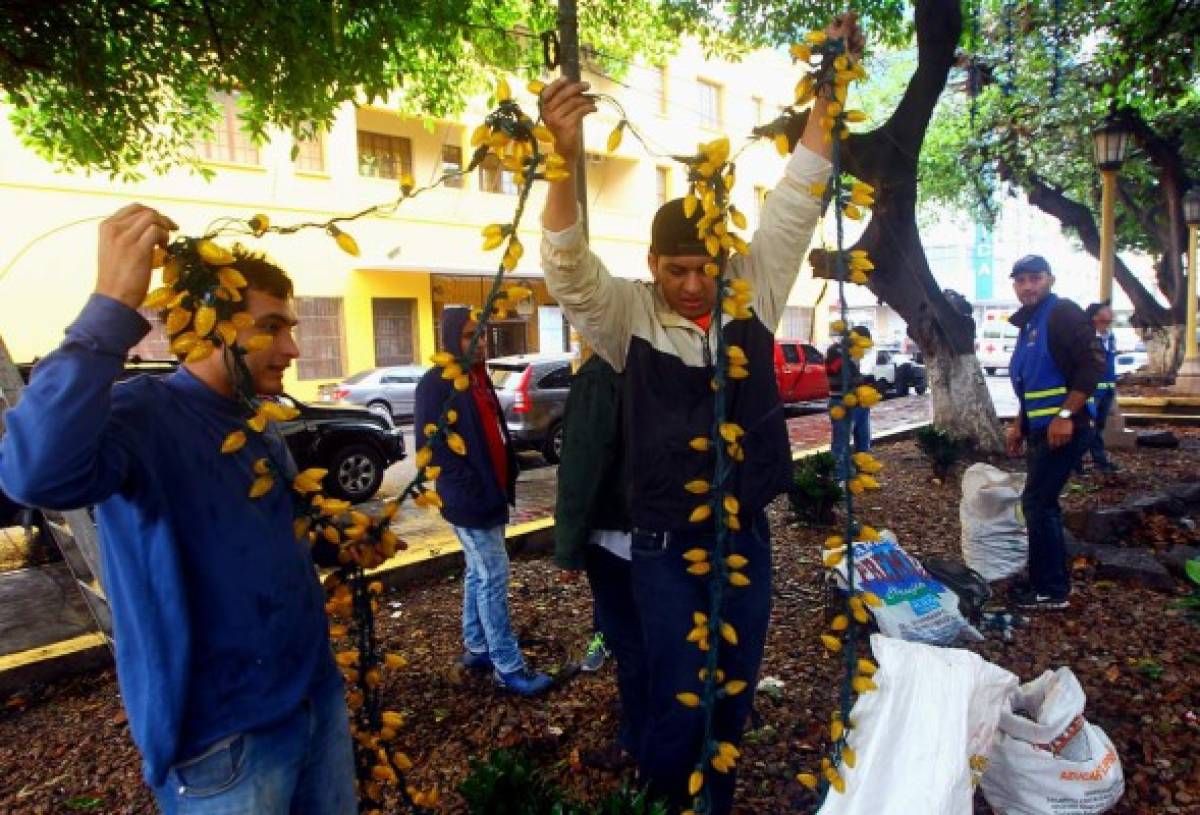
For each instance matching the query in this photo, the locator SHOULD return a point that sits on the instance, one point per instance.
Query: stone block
(1135, 566)
(1189, 493)
(1110, 525)
(1163, 439)
(1176, 558)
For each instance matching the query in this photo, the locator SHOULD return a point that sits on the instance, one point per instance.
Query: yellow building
(381, 308)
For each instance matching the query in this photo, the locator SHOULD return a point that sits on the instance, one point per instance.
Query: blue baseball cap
(1032, 264)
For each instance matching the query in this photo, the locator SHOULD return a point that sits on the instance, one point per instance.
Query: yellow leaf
(849, 757)
(781, 144)
(834, 542)
(835, 780)
(455, 442)
(479, 135)
(695, 782)
(700, 444)
(736, 561)
(227, 332)
(442, 358)
(738, 372)
(556, 174)
(729, 634)
(735, 686)
(177, 320)
(863, 684)
(866, 667)
(159, 298)
(700, 514)
(536, 87)
(259, 342)
(424, 456)
(614, 138)
(695, 555)
(697, 486)
(233, 442)
(231, 278)
(461, 383)
(807, 780)
(212, 254)
(199, 352)
(831, 642)
(689, 205)
(731, 432)
(731, 504)
(503, 92)
(836, 730)
(261, 486)
(700, 569)
(738, 579)
(688, 699)
(840, 623)
(869, 597)
(345, 241)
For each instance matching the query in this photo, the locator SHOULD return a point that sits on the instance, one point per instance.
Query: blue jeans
(302, 765)
(666, 597)
(1048, 471)
(485, 623)
(857, 423)
(615, 609)
(1104, 403)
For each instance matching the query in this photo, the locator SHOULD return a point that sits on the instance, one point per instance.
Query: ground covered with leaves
(65, 747)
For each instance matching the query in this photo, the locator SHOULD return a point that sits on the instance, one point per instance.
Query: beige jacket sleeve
(608, 310)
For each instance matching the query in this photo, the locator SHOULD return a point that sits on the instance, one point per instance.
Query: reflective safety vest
(1109, 383)
(1035, 377)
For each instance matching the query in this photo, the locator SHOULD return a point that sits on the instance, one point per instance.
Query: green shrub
(942, 449)
(815, 490)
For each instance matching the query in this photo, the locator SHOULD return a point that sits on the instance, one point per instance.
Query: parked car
(891, 370)
(386, 391)
(1130, 361)
(800, 372)
(356, 445)
(533, 393)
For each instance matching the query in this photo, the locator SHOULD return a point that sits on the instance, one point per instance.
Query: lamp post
(1111, 144)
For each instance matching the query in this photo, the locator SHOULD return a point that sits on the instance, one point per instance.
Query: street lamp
(1110, 142)
(1191, 214)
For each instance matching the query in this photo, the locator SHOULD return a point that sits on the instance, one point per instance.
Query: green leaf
(1193, 570)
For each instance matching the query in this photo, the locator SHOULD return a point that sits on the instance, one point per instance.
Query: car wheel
(883, 386)
(990, 371)
(552, 447)
(902, 387)
(355, 472)
(381, 408)
(920, 389)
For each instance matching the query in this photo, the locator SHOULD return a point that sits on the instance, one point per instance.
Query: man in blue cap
(1054, 370)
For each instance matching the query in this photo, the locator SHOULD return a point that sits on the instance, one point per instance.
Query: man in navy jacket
(476, 491)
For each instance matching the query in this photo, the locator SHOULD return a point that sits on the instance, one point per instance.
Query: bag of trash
(916, 606)
(972, 590)
(921, 739)
(994, 539)
(1047, 759)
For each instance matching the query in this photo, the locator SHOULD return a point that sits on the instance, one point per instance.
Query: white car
(889, 368)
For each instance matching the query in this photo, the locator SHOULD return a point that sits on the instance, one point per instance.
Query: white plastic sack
(994, 539)
(1047, 759)
(916, 606)
(922, 739)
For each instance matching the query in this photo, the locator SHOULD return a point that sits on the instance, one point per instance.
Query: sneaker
(476, 662)
(596, 653)
(1032, 600)
(525, 682)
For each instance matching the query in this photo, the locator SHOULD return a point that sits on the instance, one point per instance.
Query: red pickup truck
(800, 372)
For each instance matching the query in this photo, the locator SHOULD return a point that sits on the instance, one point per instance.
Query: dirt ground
(65, 747)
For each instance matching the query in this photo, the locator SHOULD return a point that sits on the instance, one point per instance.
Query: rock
(1188, 493)
(1163, 439)
(1110, 525)
(1162, 503)
(1134, 566)
(1176, 558)
(1077, 548)
(1075, 520)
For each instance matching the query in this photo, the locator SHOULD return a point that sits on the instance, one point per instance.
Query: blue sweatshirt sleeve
(62, 447)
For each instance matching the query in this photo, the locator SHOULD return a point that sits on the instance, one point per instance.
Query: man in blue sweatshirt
(476, 490)
(222, 644)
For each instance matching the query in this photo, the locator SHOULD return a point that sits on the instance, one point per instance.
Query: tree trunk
(887, 158)
(1164, 349)
(962, 405)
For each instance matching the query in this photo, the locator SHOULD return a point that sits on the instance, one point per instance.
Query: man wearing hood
(476, 491)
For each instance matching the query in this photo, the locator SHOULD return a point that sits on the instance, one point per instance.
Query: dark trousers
(1104, 403)
(615, 614)
(666, 597)
(1048, 471)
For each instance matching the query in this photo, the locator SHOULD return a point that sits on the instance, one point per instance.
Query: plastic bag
(994, 540)
(922, 739)
(916, 606)
(1047, 759)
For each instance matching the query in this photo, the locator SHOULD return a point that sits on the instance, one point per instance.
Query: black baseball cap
(1030, 263)
(674, 233)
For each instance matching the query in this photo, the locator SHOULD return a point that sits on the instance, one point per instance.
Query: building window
(494, 178)
(658, 86)
(319, 337)
(228, 141)
(395, 324)
(310, 153)
(708, 104)
(154, 345)
(795, 323)
(452, 162)
(662, 184)
(383, 156)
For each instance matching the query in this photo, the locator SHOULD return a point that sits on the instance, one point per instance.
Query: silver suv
(385, 391)
(533, 393)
